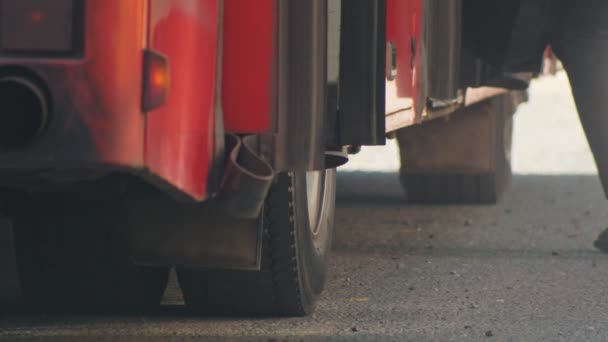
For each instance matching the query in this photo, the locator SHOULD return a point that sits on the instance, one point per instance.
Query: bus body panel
(94, 94)
(181, 137)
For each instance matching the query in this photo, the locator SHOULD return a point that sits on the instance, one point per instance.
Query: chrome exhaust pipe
(247, 179)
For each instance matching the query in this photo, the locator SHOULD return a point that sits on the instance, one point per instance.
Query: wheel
(298, 225)
(72, 258)
(463, 159)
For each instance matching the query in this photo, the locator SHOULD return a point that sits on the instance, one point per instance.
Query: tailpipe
(24, 112)
(216, 234)
(247, 178)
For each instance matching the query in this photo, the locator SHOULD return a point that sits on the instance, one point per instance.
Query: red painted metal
(96, 95)
(180, 136)
(249, 60)
(112, 77)
(404, 29)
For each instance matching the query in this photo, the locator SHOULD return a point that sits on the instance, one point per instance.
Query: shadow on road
(369, 187)
(385, 187)
(542, 229)
(554, 214)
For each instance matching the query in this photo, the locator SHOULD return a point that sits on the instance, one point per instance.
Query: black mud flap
(221, 233)
(163, 232)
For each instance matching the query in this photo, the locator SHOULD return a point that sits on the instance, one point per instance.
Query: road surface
(524, 270)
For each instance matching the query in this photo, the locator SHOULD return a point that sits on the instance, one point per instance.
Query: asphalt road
(524, 270)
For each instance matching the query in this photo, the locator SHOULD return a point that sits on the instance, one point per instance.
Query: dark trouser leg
(584, 51)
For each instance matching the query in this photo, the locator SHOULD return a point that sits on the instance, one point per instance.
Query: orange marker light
(160, 79)
(157, 80)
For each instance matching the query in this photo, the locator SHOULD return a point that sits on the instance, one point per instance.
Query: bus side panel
(249, 65)
(96, 117)
(181, 135)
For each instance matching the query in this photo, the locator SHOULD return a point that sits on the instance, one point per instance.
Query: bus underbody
(203, 135)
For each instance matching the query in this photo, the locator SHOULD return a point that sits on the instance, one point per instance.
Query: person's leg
(581, 42)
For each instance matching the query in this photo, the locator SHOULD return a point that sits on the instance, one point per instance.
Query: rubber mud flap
(247, 179)
(465, 159)
(220, 233)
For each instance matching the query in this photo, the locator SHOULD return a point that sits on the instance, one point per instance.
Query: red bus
(204, 135)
